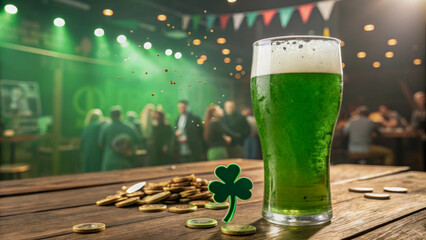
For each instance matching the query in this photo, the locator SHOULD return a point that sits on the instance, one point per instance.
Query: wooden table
(49, 207)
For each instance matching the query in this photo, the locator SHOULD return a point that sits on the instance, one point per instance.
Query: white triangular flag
(238, 19)
(185, 21)
(325, 8)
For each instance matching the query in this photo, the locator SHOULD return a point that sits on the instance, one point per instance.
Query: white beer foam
(296, 56)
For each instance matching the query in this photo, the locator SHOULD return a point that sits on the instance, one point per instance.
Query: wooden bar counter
(49, 207)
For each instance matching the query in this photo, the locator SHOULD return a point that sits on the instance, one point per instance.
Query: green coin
(201, 223)
(238, 229)
(215, 205)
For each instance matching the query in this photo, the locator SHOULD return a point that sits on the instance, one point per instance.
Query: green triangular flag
(210, 21)
(195, 21)
(285, 15)
(251, 18)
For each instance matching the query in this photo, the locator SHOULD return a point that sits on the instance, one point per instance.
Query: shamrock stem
(231, 209)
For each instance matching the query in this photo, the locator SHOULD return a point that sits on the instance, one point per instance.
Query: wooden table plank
(353, 214)
(44, 184)
(410, 227)
(67, 198)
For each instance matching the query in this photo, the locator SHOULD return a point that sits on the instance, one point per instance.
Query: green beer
(296, 113)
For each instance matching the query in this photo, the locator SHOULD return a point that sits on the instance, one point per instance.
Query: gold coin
(152, 207)
(173, 196)
(180, 184)
(238, 230)
(108, 200)
(199, 203)
(215, 205)
(174, 189)
(395, 189)
(124, 188)
(204, 188)
(127, 202)
(189, 188)
(158, 197)
(184, 200)
(88, 227)
(200, 196)
(187, 193)
(183, 208)
(170, 202)
(376, 196)
(152, 191)
(183, 179)
(360, 189)
(136, 194)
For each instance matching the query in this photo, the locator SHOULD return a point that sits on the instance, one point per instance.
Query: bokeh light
(121, 39)
(361, 54)
(376, 64)
(178, 55)
(342, 43)
(392, 42)
(221, 40)
(169, 52)
(107, 12)
(11, 9)
(161, 17)
(389, 54)
(99, 32)
(232, 1)
(237, 76)
(343, 65)
(200, 61)
(227, 60)
(196, 42)
(369, 27)
(147, 45)
(417, 61)
(59, 22)
(204, 57)
(226, 51)
(238, 67)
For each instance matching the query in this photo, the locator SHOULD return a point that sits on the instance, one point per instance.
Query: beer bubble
(285, 49)
(300, 46)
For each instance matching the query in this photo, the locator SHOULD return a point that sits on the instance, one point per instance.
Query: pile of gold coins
(188, 192)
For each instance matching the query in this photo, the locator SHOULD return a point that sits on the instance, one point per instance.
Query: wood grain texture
(410, 227)
(353, 214)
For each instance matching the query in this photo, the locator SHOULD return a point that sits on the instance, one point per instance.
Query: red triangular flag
(268, 15)
(305, 11)
(224, 20)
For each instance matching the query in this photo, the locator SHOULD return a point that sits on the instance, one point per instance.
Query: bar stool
(10, 171)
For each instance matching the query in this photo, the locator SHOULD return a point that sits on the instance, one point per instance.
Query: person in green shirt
(92, 153)
(117, 140)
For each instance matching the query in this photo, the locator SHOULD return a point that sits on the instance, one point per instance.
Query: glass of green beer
(296, 90)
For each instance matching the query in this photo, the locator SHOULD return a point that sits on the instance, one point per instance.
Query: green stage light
(169, 52)
(178, 55)
(121, 39)
(99, 32)
(147, 45)
(11, 9)
(59, 22)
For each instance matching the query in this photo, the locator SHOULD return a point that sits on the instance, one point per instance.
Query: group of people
(363, 125)
(111, 143)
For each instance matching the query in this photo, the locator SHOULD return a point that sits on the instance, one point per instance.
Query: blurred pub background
(61, 59)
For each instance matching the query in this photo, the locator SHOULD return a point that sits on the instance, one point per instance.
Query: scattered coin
(127, 202)
(376, 196)
(108, 200)
(199, 203)
(173, 196)
(395, 189)
(215, 205)
(88, 227)
(152, 207)
(183, 179)
(136, 187)
(183, 208)
(360, 189)
(200, 196)
(201, 223)
(158, 197)
(238, 230)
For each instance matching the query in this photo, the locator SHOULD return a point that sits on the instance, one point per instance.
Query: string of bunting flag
(305, 10)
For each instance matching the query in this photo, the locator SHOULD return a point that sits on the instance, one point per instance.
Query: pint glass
(296, 90)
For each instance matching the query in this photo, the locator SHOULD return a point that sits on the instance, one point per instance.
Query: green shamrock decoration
(231, 187)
